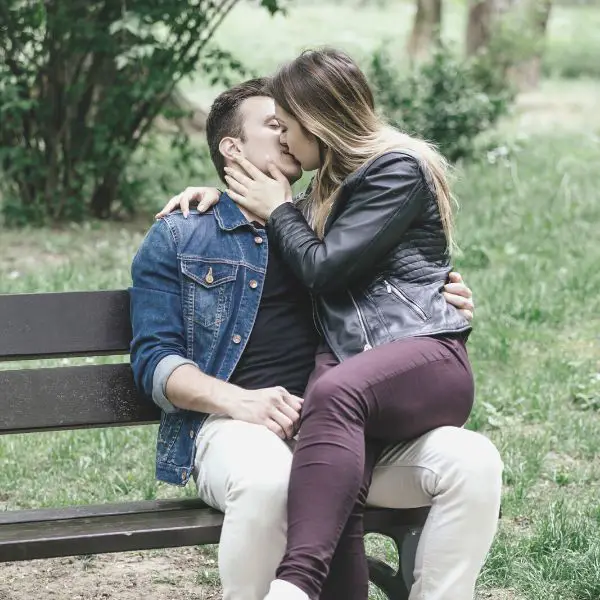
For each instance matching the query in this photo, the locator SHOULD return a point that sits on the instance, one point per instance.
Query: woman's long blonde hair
(329, 95)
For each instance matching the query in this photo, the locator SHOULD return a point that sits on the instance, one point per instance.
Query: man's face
(261, 134)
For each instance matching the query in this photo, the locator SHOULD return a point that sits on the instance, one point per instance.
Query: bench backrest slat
(71, 398)
(64, 324)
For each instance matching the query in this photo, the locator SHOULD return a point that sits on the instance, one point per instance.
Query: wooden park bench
(36, 326)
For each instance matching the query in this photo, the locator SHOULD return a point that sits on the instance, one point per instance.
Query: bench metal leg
(396, 584)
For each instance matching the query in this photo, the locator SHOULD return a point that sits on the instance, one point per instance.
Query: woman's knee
(330, 396)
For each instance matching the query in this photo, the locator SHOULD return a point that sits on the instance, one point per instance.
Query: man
(224, 343)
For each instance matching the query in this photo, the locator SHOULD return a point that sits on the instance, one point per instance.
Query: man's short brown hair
(225, 119)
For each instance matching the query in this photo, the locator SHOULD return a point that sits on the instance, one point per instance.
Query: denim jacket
(197, 284)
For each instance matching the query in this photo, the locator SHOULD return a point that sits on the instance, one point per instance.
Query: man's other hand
(459, 295)
(275, 408)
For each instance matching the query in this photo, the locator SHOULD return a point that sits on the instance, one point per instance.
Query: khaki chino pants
(243, 470)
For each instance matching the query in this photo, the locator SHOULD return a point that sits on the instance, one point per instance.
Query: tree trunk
(426, 28)
(531, 17)
(526, 74)
(105, 194)
(479, 25)
(484, 16)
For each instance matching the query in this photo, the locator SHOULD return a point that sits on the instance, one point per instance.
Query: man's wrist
(225, 396)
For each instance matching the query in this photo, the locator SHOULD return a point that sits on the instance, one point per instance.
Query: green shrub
(81, 84)
(445, 100)
(157, 172)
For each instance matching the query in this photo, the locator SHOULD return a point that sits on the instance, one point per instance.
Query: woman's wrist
(280, 209)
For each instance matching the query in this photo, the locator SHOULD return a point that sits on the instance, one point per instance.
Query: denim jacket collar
(228, 215)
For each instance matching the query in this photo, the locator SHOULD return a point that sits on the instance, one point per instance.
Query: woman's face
(301, 144)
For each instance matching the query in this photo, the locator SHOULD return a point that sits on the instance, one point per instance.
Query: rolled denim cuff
(164, 370)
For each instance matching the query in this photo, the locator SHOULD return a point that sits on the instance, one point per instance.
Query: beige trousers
(243, 470)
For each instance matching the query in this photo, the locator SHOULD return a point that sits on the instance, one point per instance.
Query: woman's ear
(230, 147)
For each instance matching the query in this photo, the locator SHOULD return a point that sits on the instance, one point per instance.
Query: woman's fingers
(181, 201)
(253, 171)
(238, 198)
(168, 207)
(239, 176)
(236, 186)
(467, 314)
(461, 302)
(277, 174)
(205, 196)
(459, 289)
(184, 204)
(455, 277)
(209, 199)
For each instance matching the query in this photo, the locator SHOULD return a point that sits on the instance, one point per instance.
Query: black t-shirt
(282, 345)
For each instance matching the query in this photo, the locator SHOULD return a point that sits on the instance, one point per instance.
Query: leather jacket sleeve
(378, 209)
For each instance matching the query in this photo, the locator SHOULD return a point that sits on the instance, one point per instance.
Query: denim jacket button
(236, 339)
(183, 475)
(253, 284)
(191, 433)
(258, 240)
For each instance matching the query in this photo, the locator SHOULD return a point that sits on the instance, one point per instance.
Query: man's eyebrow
(270, 118)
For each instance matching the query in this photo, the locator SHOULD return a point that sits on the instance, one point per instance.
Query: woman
(375, 254)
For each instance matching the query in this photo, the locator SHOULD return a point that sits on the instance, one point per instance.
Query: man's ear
(230, 147)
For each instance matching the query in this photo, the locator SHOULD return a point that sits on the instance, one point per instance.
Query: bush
(446, 100)
(81, 84)
(157, 172)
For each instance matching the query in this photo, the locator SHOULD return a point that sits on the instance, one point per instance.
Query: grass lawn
(529, 233)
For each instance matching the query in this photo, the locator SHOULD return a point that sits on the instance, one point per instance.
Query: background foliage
(82, 83)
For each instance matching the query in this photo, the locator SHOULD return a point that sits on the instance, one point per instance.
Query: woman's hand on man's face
(206, 197)
(256, 192)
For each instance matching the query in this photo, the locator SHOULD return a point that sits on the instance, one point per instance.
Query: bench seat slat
(71, 398)
(174, 523)
(35, 515)
(114, 533)
(64, 324)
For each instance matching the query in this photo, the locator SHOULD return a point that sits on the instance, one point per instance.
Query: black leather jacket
(378, 274)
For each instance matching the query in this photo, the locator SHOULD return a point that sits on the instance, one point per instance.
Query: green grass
(532, 222)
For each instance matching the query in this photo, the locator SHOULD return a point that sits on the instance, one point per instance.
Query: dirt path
(174, 574)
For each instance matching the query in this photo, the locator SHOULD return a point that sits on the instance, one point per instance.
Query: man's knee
(260, 495)
(471, 462)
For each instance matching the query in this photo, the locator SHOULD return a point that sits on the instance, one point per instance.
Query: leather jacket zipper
(392, 289)
(363, 325)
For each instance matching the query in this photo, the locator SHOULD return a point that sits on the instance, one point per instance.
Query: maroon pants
(352, 410)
